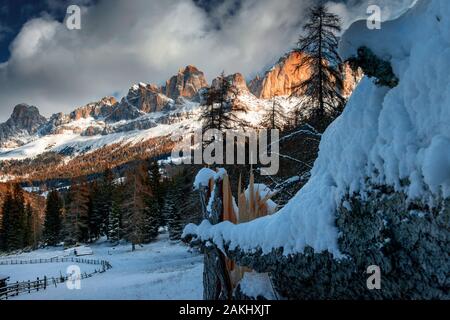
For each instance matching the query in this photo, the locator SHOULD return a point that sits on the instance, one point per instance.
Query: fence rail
(24, 287)
(53, 260)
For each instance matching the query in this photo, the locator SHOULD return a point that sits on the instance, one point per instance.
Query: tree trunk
(216, 280)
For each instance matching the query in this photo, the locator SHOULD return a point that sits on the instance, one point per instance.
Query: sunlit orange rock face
(281, 79)
(185, 84)
(351, 79)
(239, 82)
(286, 74)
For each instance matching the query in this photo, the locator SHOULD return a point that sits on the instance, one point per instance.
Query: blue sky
(123, 42)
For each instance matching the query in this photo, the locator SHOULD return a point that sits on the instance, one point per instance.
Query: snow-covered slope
(398, 137)
(157, 271)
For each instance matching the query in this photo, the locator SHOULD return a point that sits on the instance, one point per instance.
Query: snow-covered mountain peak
(25, 120)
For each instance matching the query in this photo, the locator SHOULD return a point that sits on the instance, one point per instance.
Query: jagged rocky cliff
(24, 121)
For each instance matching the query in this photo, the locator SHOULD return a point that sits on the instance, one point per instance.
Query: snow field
(157, 271)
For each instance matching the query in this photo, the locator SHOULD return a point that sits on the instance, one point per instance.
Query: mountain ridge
(146, 112)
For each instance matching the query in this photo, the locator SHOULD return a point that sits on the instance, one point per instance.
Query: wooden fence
(24, 287)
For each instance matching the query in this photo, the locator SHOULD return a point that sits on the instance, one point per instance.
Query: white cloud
(124, 42)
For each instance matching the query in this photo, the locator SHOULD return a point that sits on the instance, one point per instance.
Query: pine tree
(6, 228)
(175, 225)
(274, 118)
(103, 201)
(158, 189)
(14, 222)
(115, 218)
(319, 48)
(53, 219)
(17, 220)
(220, 106)
(135, 205)
(152, 219)
(154, 201)
(77, 216)
(95, 208)
(29, 234)
(170, 202)
(177, 195)
(155, 182)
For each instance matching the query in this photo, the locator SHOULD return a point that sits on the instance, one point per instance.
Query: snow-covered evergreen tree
(176, 204)
(169, 203)
(152, 219)
(114, 220)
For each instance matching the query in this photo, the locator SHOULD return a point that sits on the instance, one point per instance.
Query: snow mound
(202, 178)
(398, 137)
(256, 285)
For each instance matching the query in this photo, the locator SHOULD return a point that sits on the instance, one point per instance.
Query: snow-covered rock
(257, 286)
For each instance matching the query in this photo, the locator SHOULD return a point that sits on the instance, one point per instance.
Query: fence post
(45, 282)
(37, 284)
(29, 287)
(17, 288)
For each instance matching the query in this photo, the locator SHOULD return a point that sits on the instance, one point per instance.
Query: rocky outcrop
(235, 80)
(147, 98)
(138, 124)
(26, 117)
(238, 82)
(97, 109)
(185, 84)
(255, 85)
(280, 80)
(24, 121)
(92, 131)
(351, 78)
(124, 111)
